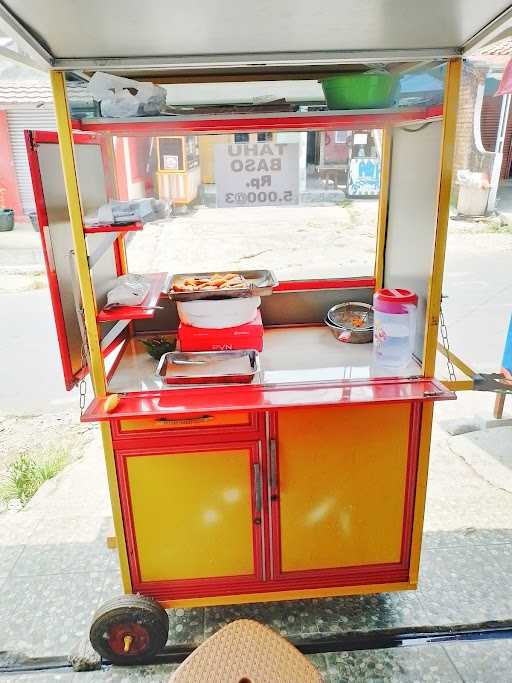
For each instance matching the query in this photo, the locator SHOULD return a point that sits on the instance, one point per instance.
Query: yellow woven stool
(245, 651)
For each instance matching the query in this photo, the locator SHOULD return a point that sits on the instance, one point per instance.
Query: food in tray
(215, 282)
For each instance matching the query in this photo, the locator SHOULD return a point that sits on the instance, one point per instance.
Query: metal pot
(338, 320)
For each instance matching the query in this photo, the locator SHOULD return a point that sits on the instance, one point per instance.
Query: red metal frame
(32, 139)
(218, 433)
(199, 586)
(331, 283)
(37, 184)
(51, 136)
(173, 402)
(308, 121)
(129, 227)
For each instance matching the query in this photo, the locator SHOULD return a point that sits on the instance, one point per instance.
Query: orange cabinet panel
(342, 486)
(193, 514)
(205, 424)
(184, 421)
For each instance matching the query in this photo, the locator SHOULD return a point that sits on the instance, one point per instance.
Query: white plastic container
(218, 313)
(394, 326)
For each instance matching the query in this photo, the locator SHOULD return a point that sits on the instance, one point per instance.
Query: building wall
(9, 195)
(131, 154)
(334, 152)
(465, 150)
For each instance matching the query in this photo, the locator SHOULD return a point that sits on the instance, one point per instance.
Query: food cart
(310, 480)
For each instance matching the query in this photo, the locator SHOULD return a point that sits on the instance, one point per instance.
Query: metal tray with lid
(261, 283)
(209, 367)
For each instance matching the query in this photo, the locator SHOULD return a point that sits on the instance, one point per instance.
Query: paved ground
(55, 568)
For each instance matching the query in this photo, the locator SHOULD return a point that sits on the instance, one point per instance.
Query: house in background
(484, 122)
(26, 104)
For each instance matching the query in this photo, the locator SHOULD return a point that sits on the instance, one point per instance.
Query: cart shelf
(159, 284)
(100, 229)
(318, 120)
(257, 397)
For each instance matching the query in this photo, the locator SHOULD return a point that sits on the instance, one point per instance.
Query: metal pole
(96, 368)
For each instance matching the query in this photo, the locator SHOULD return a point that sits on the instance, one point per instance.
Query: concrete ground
(56, 570)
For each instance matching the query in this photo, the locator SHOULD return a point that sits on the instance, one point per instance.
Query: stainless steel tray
(261, 283)
(209, 367)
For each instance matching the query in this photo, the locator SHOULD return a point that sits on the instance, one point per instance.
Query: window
(264, 137)
(299, 205)
(341, 136)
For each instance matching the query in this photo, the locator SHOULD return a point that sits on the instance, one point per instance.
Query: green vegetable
(157, 346)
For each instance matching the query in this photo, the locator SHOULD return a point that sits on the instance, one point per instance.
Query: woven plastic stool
(246, 652)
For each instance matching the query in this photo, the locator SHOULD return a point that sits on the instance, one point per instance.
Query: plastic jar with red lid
(394, 326)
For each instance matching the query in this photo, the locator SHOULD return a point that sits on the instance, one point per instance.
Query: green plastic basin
(6, 220)
(360, 91)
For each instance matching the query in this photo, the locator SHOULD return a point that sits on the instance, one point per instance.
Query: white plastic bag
(123, 97)
(119, 212)
(129, 290)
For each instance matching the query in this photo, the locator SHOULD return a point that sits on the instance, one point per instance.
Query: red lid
(397, 296)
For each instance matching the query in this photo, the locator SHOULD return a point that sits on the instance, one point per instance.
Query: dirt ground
(302, 242)
(42, 433)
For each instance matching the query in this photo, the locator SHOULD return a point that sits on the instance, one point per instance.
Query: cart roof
(157, 35)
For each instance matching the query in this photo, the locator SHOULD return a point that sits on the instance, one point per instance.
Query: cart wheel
(130, 629)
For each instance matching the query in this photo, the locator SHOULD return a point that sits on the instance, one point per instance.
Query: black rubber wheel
(130, 629)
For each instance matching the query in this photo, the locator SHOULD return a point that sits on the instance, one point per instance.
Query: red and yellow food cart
(311, 481)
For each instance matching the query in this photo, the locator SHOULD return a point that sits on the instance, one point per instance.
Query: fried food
(213, 282)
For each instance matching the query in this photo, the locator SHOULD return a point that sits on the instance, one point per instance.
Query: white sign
(257, 174)
(171, 162)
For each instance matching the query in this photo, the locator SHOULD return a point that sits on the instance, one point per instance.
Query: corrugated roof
(502, 48)
(37, 92)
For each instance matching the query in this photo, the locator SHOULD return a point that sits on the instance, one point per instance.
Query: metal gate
(20, 119)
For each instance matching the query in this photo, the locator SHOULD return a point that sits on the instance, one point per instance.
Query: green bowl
(360, 91)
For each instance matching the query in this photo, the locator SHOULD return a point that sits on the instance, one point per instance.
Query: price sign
(257, 174)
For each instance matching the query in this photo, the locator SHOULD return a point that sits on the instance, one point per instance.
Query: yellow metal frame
(458, 384)
(385, 168)
(451, 98)
(96, 366)
(364, 589)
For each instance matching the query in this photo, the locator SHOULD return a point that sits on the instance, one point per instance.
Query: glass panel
(303, 204)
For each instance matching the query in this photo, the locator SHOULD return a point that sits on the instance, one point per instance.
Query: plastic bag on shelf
(143, 210)
(128, 290)
(124, 97)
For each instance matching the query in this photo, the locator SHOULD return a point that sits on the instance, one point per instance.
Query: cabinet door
(339, 491)
(194, 517)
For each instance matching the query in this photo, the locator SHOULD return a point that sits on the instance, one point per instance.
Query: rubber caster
(130, 629)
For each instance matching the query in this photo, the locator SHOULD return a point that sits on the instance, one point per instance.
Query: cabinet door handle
(257, 491)
(273, 469)
(186, 420)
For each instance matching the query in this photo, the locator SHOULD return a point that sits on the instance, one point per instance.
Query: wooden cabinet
(339, 490)
(194, 517)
